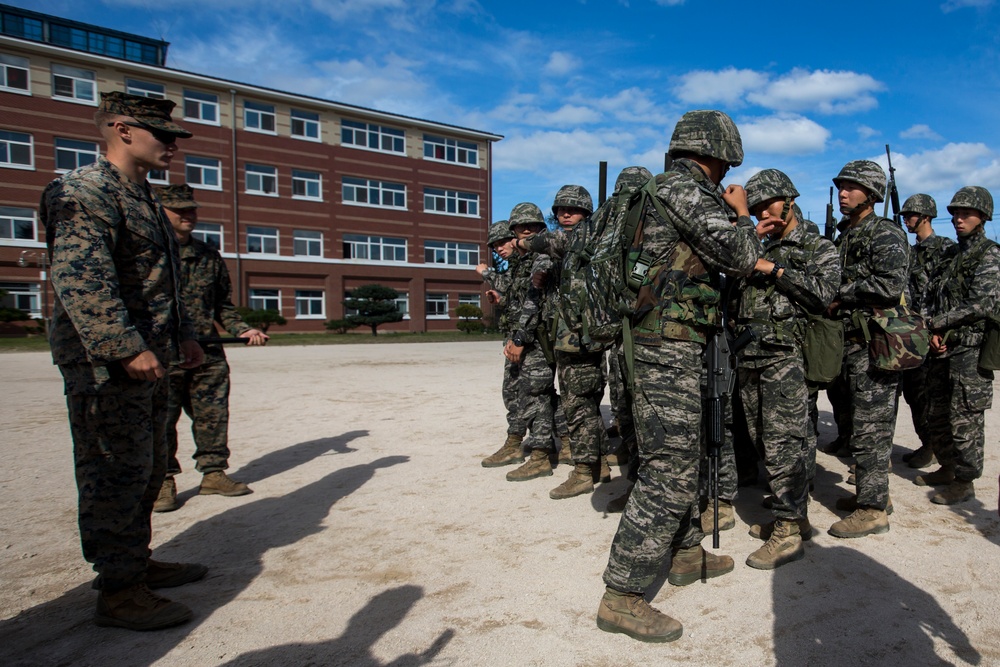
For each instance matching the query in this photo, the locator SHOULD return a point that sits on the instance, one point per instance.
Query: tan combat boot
(631, 615)
(565, 452)
(169, 575)
(727, 516)
(580, 481)
(604, 474)
(763, 531)
(166, 501)
(851, 504)
(617, 505)
(862, 521)
(138, 608)
(538, 465)
(921, 458)
(956, 492)
(219, 483)
(784, 546)
(941, 477)
(509, 453)
(694, 563)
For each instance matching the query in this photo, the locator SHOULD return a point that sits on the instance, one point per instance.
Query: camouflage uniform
(677, 307)
(115, 276)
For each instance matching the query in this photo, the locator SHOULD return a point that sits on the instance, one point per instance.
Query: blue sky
(570, 83)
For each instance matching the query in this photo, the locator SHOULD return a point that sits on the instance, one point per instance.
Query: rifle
(892, 194)
(830, 229)
(721, 361)
(213, 340)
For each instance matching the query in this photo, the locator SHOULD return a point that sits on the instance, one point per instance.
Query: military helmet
(573, 196)
(973, 196)
(631, 179)
(865, 173)
(499, 231)
(526, 213)
(769, 184)
(920, 204)
(708, 133)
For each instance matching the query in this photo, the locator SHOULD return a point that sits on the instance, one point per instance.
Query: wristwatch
(777, 267)
(518, 338)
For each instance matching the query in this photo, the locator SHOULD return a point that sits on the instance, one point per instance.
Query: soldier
(798, 274)
(581, 372)
(962, 297)
(202, 392)
(689, 236)
(918, 212)
(118, 321)
(873, 257)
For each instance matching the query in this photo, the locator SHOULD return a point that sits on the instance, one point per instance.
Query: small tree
(11, 314)
(340, 326)
(470, 318)
(376, 304)
(261, 319)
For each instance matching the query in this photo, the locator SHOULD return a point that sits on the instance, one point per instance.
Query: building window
(305, 125)
(262, 180)
(307, 243)
(437, 306)
(145, 89)
(265, 299)
(14, 74)
(158, 176)
(23, 296)
(369, 192)
(451, 202)
(16, 150)
(71, 83)
(258, 117)
(203, 172)
(374, 248)
(374, 137)
(456, 254)
(201, 107)
(307, 185)
(471, 299)
(262, 240)
(210, 233)
(403, 304)
(22, 26)
(71, 153)
(309, 304)
(451, 150)
(17, 224)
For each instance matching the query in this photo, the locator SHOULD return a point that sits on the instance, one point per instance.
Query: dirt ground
(374, 537)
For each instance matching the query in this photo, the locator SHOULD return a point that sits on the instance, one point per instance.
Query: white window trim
(367, 260)
(150, 83)
(34, 228)
(453, 215)
(202, 186)
(474, 165)
(221, 232)
(368, 148)
(295, 238)
(259, 193)
(273, 114)
(18, 91)
(164, 181)
(270, 289)
(56, 148)
(304, 137)
(457, 249)
(406, 315)
(321, 316)
(307, 197)
(262, 253)
(73, 100)
(447, 308)
(201, 121)
(365, 204)
(31, 147)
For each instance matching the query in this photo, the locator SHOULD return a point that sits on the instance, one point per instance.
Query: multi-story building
(306, 198)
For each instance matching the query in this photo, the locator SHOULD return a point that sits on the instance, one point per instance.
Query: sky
(570, 83)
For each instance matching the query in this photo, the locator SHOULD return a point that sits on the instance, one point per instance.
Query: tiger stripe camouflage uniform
(501, 283)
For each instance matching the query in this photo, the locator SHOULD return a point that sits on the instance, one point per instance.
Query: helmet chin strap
(869, 201)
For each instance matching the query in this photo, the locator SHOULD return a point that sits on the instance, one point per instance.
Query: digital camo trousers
(120, 455)
(203, 394)
(581, 388)
(537, 400)
(869, 397)
(776, 401)
(915, 391)
(662, 512)
(958, 396)
(511, 391)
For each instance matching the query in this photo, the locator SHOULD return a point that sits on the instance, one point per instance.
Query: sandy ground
(374, 537)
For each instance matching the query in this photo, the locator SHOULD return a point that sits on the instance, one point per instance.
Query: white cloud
(726, 86)
(669, 3)
(541, 151)
(561, 63)
(920, 132)
(783, 135)
(824, 91)
(952, 5)
(948, 168)
(866, 132)
(633, 105)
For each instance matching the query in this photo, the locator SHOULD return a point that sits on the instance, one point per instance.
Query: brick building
(306, 198)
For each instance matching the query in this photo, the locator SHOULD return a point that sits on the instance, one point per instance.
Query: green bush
(470, 318)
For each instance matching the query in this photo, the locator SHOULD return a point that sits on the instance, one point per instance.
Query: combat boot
(940, 477)
(784, 546)
(763, 531)
(921, 458)
(851, 504)
(580, 481)
(538, 465)
(508, 454)
(138, 608)
(631, 615)
(727, 516)
(169, 575)
(219, 483)
(863, 521)
(620, 456)
(604, 471)
(693, 563)
(565, 452)
(956, 492)
(617, 505)
(166, 501)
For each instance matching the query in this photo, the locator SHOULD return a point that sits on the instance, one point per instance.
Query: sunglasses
(162, 136)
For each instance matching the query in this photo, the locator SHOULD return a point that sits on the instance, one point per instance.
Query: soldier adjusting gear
(769, 184)
(573, 196)
(867, 174)
(920, 204)
(973, 196)
(708, 133)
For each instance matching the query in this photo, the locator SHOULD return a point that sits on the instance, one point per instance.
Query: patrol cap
(973, 196)
(920, 204)
(865, 173)
(631, 179)
(177, 197)
(499, 231)
(148, 111)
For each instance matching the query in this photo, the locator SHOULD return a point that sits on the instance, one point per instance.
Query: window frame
(403, 297)
(6, 65)
(302, 175)
(201, 105)
(75, 98)
(451, 199)
(369, 241)
(132, 85)
(314, 297)
(204, 230)
(303, 236)
(33, 291)
(436, 297)
(202, 169)
(254, 294)
(369, 184)
(370, 131)
(262, 111)
(262, 233)
(259, 171)
(307, 122)
(456, 145)
(15, 214)
(78, 151)
(451, 249)
(165, 180)
(30, 166)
